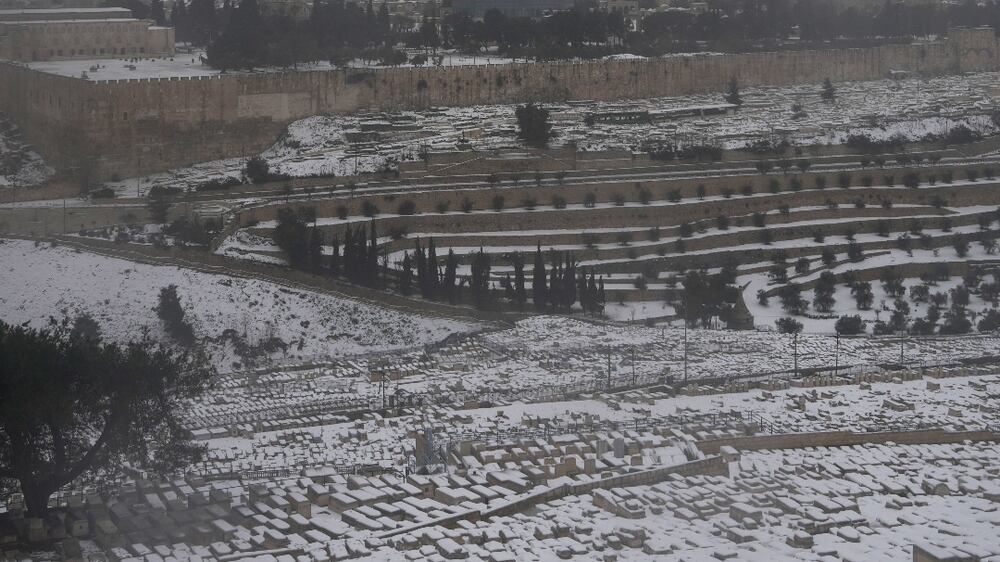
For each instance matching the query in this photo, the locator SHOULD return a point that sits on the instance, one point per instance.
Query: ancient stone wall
(154, 124)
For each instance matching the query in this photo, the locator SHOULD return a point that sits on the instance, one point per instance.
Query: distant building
(48, 4)
(511, 8)
(80, 33)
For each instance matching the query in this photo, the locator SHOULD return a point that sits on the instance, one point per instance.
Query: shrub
(686, 229)
(590, 200)
(759, 219)
(972, 174)
(788, 325)
(589, 239)
(257, 169)
(467, 205)
(850, 325)
(369, 209)
(889, 181)
(859, 204)
(442, 207)
(820, 182)
(619, 199)
(722, 221)
(774, 186)
(529, 203)
(645, 196)
(654, 234)
(407, 207)
(746, 189)
(886, 203)
(911, 180)
(700, 191)
(947, 176)
(624, 238)
(341, 212)
(102, 193)
(674, 196)
(558, 202)
(844, 180)
(498, 203)
(795, 184)
(867, 180)
(727, 192)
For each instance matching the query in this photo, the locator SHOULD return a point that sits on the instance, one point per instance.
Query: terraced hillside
(856, 216)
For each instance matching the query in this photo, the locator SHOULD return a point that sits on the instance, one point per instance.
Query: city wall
(118, 127)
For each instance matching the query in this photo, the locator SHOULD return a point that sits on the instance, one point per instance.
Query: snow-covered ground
(882, 108)
(41, 281)
(19, 165)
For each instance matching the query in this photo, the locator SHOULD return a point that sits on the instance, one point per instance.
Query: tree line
(240, 35)
(557, 284)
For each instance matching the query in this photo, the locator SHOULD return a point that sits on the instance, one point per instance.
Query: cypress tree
(448, 283)
(418, 254)
(372, 269)
(520, 296)
(335, 259)
(555, 282)
(433, 282)
(581, 289)
(569, 283)
(348, 252)
(315, 249)
(539, 292)
(592, 294)
(406, 275)
(601, 297)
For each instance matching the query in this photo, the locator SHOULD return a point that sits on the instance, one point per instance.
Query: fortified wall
(120, 127)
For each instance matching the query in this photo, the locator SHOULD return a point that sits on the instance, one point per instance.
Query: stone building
(55, 34)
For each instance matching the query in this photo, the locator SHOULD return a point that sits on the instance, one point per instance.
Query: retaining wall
(151, 125)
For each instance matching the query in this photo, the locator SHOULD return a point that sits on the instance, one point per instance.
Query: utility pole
(609, 369)
(836, 355)
(795, 352)
(633, 366)
(901, 332)
(685, 350)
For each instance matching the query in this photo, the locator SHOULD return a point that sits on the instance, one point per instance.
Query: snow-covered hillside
(40, 281)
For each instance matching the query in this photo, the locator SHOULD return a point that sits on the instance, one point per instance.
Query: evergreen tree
(533, 125)
(592, 296)
(335, 258)
(74, 407)
(433, 278)
(480, 282)
(421, 259)
(371, 269)
(555, 282)
(733, 96)
(204, 24)
(406, 275)
(348, 261)
(178, 19)
(601, 297)
(539, 291)
(581, 289)
(520, 296)
(315, 249)
(448, 283)
(292, 237)
(828, 92)
(157, 13)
